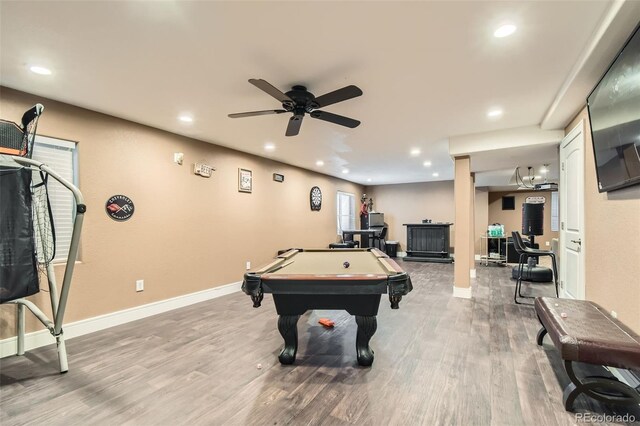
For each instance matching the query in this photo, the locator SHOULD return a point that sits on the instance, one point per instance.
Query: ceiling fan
(299, 101)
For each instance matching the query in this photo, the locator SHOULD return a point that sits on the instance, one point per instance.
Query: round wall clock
(315, 196)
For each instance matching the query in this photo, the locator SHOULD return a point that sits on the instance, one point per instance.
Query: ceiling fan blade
(335, 118)
(273, 91)
(294, 125)
(253, 113)
(339, 95)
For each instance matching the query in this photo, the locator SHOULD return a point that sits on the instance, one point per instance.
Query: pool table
(346, 279)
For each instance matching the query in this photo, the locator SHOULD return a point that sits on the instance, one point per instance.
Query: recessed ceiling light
(345, 171)
(186, 119)
(320, 163)
(369, 180)
(269, 147)
(40, 70)
(435, 174)
(494, 113)
(427, 164)
(415, 152)
(505, 30)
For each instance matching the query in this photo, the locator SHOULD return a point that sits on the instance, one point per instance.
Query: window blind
(346, 211)
(60, 156)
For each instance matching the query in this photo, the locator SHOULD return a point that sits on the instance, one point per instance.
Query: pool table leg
(366, 328)
(288, 327)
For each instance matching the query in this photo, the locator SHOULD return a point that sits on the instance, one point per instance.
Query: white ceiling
(428, 70)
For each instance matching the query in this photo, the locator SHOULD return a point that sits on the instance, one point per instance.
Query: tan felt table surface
(331, 263)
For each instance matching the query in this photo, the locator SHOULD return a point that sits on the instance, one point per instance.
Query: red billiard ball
(346, 264)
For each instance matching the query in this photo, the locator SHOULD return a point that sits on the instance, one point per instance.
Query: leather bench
(583, 331)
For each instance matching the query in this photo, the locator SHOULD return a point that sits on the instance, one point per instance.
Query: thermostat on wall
(203, 170)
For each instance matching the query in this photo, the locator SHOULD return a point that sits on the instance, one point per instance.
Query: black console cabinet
(428, 242)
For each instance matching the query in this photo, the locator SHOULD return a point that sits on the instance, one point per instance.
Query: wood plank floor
(438, 360)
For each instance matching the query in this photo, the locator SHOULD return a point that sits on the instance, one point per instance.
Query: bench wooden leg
(605, 389)
(541, 333)
(540, 336)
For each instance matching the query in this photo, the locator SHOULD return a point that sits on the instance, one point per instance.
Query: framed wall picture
(245, 180)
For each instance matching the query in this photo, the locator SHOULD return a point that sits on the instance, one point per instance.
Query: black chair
(525, 252)
(378, 240)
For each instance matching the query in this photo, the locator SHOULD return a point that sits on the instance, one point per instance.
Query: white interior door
(572, 214)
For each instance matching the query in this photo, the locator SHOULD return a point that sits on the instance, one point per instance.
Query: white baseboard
(477, 258)
(462, 292)
(472, 273)
(41, 338)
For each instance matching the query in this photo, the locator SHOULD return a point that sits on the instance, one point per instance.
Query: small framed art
(245, 180)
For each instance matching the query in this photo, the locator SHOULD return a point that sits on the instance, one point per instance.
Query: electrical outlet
(546, 243)
(139, 285)
(614, 314)
(178, 158)
(248, 265)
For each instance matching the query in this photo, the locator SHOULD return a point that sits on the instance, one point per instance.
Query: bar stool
(379, 240)
(526, 252)
(348, 238)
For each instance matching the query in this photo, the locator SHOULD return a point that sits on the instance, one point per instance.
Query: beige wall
(188, 233)
(611, 241)
(412, 202)
(512, 219)
(464, 221)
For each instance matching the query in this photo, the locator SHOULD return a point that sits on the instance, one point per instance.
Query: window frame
(351, 214)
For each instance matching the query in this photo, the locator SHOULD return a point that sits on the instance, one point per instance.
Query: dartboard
(316, 198)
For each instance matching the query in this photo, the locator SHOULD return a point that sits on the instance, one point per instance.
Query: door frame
(576, 132)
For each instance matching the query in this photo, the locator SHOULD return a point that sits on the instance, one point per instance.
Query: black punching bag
(532, 218)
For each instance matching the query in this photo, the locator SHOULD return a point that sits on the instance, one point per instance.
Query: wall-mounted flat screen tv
(614, 113)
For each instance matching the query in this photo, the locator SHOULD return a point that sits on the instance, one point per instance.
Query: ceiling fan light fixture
(299, 102)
